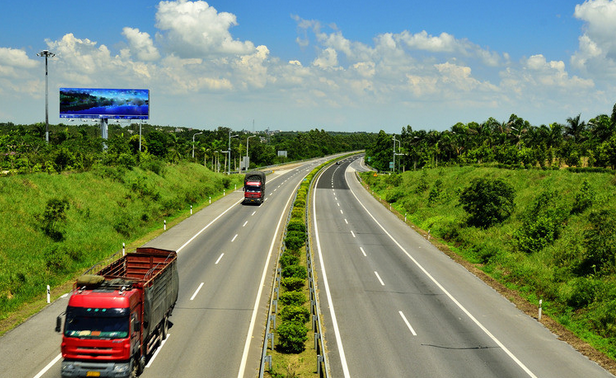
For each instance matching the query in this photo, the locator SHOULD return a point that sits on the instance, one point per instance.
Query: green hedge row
(292, 331)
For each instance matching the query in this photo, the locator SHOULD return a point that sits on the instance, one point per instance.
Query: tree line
(23, 148)
(513, 143)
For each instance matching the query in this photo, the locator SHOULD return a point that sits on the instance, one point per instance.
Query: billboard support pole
(104, 131)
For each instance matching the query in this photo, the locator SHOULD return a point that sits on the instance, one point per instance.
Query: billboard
(104, 103)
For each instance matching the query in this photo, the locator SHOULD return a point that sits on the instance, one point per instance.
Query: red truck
(254, 187)
(118, 316)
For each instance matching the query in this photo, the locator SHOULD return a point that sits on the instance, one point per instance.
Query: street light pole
(46, 54)
(229, 171)
(247, 157)
(193, 152)
(394, 156)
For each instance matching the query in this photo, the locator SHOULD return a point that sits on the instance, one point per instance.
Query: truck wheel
(138, 366)
(134, 372)
(164, 328)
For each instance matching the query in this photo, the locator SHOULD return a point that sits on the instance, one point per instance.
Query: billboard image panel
(104, 103)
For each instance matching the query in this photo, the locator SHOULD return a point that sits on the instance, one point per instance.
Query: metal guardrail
(315, 307)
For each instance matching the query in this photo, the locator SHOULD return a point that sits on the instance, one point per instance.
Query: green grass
(106, 207)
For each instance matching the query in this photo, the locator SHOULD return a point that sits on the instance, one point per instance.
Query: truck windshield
(97, 323)
(252, 189)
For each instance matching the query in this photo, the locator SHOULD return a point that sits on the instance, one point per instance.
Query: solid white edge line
(162, 343)
(454, 300)
(49, 365)
(255, 310)
(196, 291)
(407, 323)
(345, 367)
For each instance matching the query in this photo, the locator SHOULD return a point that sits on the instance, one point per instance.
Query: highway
(226, 257)
(392, 304)
(395, 306)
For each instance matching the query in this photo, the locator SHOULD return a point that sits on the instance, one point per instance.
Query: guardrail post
(319, 362)
(270, 336)
(273, 320)
(268, 359)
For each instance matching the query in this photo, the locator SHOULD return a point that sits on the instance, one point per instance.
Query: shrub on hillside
(394, 195)
(542, 222)
(600, 243)
(584, 198)
(584, 291)
(53, 218)
(435, 192)
(487, 201)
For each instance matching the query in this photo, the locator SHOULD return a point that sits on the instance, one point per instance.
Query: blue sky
(299, 65)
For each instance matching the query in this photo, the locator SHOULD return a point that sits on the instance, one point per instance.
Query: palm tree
(575, 128)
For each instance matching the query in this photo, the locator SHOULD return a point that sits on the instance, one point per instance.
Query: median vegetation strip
(294, 354)
(551, 240)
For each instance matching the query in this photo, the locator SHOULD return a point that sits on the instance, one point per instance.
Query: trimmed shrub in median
(291, 337)
(293, 298)
(293, 283)
(297, 271)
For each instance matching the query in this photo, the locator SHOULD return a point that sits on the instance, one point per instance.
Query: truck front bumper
(95, 369)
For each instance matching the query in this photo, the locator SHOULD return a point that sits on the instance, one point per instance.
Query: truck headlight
(121, 368)
(68, 366)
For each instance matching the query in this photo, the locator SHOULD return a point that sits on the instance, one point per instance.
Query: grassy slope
(107, 207)
(548, 274)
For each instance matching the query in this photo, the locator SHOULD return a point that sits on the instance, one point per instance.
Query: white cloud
(597, 46)
(15, 58)
(141, 44)
(327, 59)
(253, 68)
(542, 83)
(196, 29)
(14, 63)
(422, 41)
